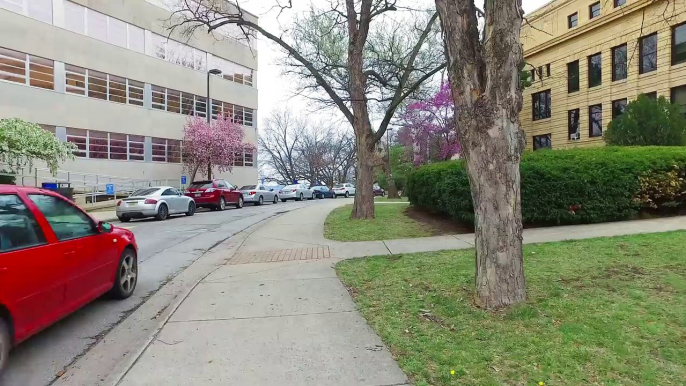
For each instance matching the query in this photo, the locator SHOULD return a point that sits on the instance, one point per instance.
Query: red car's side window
(18, 227)
(66, 220)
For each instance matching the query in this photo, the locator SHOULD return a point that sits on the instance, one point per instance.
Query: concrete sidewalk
(276, 314)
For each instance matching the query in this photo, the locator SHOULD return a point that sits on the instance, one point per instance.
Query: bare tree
(279, 142)
(360, 67)
(483, 67)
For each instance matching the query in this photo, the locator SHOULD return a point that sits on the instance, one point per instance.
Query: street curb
(122, 369)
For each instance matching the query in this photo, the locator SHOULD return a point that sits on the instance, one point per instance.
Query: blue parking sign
(109, 188)
(183, 180)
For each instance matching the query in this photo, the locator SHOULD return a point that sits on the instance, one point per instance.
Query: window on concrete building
(547, 69)
(200, 106)
(41, 73)
(679, 44)
(619, 67)
(79, 138)
(573, 127)
(573, 76)
(651, 95)
(647, 53)
(75, 17)
(573, 20)
(174, 151)
(238, 159)
(97, 85)
(173, 101)
(595, 70)
(187, 103)
(98, 144)
(75, 79)
(118, 147)
(40, 10)
(238, 114)
(249, 161)
(595, 120)
(179, 53)
(542, 142)
(13, 5)
(159, 150)
(159, 98)
(136, 90)
(117, 32)
(533, 74)
(136, 40)
(216, 108)
(619, 3)
(117, 89)
(96, 25)
(594, 10)
(541, 105)
(136, 147)
(248, 116)
(13, 68)
(678, 96)
(618, 107)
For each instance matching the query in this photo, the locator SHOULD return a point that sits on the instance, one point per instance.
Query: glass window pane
(136, 39)
(238, 160)
(19, 228)
(248, 116)
(13, 5)
(648, 52)
(136, 148)
(159, 149)
(173, 151)
(173, 101)
(97, 85)
(97, 25)
(78, 138)
(248, 158)
(200, 106)
(595, 114)
(98, 144)
(158, 98)
(135, 92)
(116, 32)
(187, 104)
(679, 44)
(678, 96)
(594, 70)
(74, 17)
(65, 219)
(40, 10)
(75, 80)
(12, 65)
(41, 72)
(118, 146)
(618, 107)
(216, 108)
(117, 89)
(159, 44)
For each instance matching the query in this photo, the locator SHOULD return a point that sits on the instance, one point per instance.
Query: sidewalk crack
(385, 245)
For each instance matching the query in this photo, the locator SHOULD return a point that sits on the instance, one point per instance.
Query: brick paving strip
(316, 253)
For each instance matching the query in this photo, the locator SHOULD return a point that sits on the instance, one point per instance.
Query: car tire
(275, 201)
(126, 279)
(283, 200)
(335, 196)
(259, 202)
(239, 204)
(124, 219)
(5, 344)
(191, 209)
(313, 196)
(301, 197)
(347, 194)
(162, 213)
(222, 204)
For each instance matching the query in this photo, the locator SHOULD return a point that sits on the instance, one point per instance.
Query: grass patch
(391, 222)
(608, 311)
(386, 199)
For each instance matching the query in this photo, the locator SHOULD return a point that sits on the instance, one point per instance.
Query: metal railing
(89, 188)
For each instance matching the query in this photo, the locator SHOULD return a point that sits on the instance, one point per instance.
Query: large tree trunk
(484, 78)
(363, 206)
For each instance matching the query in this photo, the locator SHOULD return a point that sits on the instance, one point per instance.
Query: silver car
(297, 192)
(259, 194)
(159, 202)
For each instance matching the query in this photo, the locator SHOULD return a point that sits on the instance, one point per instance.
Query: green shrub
(567, 186)
(648, 122)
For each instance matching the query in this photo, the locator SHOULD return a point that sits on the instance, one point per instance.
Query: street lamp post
(208, 111)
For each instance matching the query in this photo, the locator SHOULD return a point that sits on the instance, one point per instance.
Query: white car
(297, 192)
(346, 190)
(259, 194)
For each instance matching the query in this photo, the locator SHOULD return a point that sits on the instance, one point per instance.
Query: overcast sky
(276, 90)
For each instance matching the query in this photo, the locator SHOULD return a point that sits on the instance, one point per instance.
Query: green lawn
(386, 199)
(608, 311)
(390, 223)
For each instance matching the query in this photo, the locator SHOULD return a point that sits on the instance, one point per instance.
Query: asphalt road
(39, 360)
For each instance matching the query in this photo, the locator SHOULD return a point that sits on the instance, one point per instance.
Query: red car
(54, 259)
(215, 194)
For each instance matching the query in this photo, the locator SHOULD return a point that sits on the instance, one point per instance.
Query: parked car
(297, 192)
(323, 192)
(159, 202)
(378, 191)
(346, 190)
(259, 194)
(215, 194)
(54, 259)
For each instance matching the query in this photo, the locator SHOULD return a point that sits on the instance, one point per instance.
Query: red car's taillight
(119, 203)
(150, 201)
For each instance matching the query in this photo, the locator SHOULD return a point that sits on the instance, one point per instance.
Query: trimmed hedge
(568, 186)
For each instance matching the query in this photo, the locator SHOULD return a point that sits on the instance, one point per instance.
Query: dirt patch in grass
(438, 223)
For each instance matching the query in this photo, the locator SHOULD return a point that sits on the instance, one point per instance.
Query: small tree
(212, 144)
(21, 143)
(648, 122)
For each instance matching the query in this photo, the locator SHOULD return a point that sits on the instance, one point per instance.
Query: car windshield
(247, 187)
(292, 187)
(144, 192)
(201, 185)
(339, 186)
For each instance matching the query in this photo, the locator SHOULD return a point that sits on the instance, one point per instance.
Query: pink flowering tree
(428, 128)
(214, 144)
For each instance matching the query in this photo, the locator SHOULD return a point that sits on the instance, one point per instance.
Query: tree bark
(484, 77)
(363, 206)
(209, 171)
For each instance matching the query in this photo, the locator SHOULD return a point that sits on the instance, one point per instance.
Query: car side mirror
(179, 194)
(271, 190)
(105, 227)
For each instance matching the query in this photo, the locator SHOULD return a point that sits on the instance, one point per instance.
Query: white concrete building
(103, 75)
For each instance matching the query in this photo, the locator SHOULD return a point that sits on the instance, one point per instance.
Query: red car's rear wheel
(5, 344)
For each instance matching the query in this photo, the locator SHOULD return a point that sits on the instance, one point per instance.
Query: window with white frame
(85, 21)
(27, 69)
(95, 144)
(100, 85)
(166, 150)
(249, 161)
(36, 9)
(178, 53)
(232, 71)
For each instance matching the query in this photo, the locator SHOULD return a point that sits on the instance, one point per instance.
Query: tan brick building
(591, 57)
